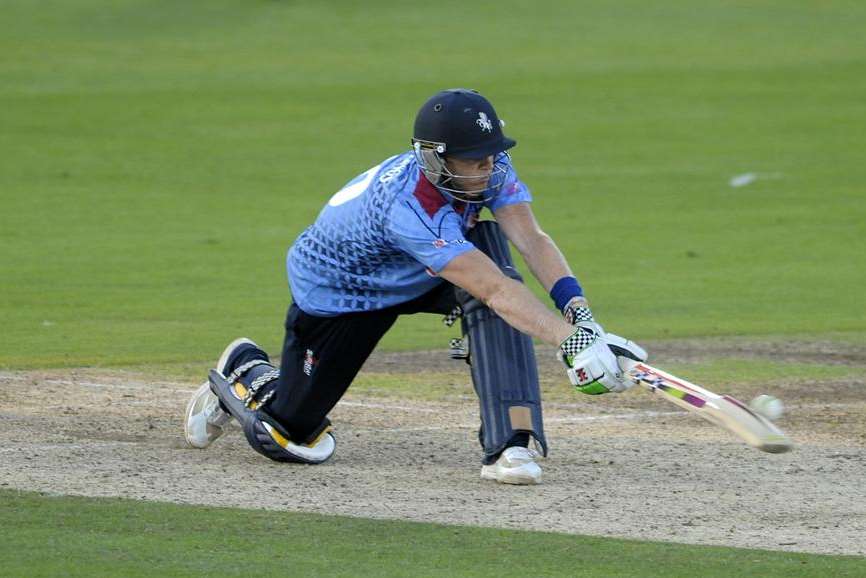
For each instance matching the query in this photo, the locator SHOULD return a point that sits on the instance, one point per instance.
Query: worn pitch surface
(630, 466)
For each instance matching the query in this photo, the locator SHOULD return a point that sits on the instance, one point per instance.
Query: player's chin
(474, 188)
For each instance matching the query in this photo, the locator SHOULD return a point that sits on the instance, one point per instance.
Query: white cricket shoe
(205, 419)
(516, 465)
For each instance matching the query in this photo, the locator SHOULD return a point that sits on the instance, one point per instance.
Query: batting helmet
(460, 123)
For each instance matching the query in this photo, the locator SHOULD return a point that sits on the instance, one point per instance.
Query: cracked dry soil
(629, 466)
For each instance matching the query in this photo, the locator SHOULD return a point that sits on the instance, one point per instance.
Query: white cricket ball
(768, 406)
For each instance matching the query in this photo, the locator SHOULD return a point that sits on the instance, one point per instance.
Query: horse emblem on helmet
(484, 122)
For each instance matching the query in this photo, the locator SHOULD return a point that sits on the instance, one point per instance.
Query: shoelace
(523, 453)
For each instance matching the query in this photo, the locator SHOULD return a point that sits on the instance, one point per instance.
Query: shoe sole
(515, 478)
(190, 406)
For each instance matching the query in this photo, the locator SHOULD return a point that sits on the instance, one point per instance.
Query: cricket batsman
(404, 237)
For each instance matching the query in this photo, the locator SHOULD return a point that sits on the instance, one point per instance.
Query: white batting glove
(595, 370)
(592, 367)
(590, 354)
(577, 312)
(622, 347)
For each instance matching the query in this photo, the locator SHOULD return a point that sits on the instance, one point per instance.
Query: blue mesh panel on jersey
(354, 258)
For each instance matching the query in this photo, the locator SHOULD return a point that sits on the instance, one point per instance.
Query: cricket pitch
(628, 466)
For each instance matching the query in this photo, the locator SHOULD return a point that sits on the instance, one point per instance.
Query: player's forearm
(517, 305)
(546, 261)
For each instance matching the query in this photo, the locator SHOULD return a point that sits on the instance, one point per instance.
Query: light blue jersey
(383, 238)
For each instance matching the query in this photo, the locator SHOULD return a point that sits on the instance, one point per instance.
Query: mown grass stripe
(72, 536)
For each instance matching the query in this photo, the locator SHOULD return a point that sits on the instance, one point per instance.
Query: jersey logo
(439, 243)
(484, 122)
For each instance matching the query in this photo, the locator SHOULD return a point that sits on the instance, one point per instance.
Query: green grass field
(157, 158)
(89, 537)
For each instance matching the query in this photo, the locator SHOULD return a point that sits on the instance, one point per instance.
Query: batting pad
(504, 371)
(263, 433)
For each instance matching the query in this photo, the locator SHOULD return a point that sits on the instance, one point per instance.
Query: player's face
(474, 174)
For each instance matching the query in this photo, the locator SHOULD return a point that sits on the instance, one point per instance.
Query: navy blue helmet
(460, 123)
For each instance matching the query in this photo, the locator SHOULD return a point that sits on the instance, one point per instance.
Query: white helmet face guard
(429, 157)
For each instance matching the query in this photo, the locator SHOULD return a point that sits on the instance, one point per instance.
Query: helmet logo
(484, 122)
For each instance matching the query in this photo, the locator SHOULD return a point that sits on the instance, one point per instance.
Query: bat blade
(723, 410)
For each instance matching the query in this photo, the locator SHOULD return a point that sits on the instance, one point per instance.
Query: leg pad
(263, 433)
(504, 370)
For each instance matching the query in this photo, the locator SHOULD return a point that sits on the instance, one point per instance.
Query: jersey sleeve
(433, 240)
(513, 191)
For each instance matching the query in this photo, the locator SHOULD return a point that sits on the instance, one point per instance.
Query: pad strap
(256, 385)
(242, 369)
(453, 316)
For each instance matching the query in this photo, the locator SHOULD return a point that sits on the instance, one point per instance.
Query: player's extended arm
(591, 365)
(593, 369)
(510, 299)
(540, 252)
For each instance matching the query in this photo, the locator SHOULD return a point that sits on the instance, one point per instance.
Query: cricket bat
(722, 410)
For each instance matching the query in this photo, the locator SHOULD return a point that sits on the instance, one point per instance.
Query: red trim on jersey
(429, 196)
